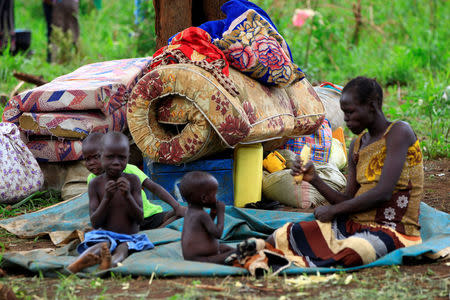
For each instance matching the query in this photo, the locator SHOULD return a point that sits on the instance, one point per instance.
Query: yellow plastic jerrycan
(248, 174)
(274, 162)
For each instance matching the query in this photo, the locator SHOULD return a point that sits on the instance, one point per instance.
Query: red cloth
(191, 41)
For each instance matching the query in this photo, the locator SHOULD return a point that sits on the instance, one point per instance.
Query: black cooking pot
(23, 40)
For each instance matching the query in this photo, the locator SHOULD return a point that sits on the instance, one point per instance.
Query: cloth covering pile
(67, 221)
(55, 117)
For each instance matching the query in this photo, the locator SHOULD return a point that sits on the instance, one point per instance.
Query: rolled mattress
(179, 113)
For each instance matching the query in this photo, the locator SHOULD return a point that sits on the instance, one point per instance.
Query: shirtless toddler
(199, 239)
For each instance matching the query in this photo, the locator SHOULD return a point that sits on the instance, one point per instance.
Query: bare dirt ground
(419, 280)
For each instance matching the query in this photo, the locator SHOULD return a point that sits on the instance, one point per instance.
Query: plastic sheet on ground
(166, 258)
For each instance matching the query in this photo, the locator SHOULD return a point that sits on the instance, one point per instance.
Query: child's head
(199, 188)
(361, 101)
(115, 151)
(91, 147)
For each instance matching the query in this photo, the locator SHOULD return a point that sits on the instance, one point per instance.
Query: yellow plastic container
(248, 174)
(274, 162)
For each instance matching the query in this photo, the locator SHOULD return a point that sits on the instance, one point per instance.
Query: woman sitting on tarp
(379, 210)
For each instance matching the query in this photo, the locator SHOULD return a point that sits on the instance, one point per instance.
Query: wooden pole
(173, 16)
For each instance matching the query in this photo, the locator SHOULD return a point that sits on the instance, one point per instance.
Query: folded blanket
(193, 46)
(92, 98)
(53, 150)
(252, 44)
(67, 124)
(319, 142)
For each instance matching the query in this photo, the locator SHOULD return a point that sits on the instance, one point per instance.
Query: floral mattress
(178, 113)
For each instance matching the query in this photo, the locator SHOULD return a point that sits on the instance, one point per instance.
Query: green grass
(34, 202)
(387, 283)
(403, 43)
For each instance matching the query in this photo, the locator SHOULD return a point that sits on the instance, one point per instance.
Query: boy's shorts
(135, 242)
(154, 221)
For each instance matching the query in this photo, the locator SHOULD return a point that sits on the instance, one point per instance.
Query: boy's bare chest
(119, 203)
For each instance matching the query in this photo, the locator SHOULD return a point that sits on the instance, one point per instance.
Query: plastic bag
(330, 99)
(20, 173)
(337, 154)
(280, 186)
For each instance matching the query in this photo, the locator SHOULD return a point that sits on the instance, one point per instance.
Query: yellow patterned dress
(362, 238)
(402, 211)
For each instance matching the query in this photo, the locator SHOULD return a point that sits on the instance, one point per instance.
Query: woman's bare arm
(331, 195)
(398, 141)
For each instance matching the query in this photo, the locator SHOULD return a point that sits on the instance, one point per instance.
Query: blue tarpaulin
(166, 258)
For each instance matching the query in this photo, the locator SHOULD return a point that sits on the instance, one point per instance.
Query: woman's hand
(308, 170)
(324, 213)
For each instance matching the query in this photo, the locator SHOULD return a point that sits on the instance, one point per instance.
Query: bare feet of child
(105, 256)
(83, 262)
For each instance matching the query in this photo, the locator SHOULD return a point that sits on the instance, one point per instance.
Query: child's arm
(213, 213)
(398, 140)
(98, 208)
(330, 194)
(213, 229)
(131, 189)
(162, 194)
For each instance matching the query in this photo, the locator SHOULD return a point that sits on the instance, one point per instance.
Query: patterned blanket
(341, 242)
(56, 116)
(252, 44)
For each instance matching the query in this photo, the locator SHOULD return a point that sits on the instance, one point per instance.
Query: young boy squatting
(154, 216)
(115, 210)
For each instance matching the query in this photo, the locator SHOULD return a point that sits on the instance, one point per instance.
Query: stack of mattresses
(179, 113)
(55, 117)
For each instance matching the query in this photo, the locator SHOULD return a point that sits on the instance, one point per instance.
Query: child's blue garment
(135, 242)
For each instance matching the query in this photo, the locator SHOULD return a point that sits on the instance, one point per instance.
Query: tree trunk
(173, 16)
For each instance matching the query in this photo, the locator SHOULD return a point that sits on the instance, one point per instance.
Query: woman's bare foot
(83, 261)
(105, 257)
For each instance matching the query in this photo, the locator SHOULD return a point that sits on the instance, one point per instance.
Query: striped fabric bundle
(341, 242)
(320, 143)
